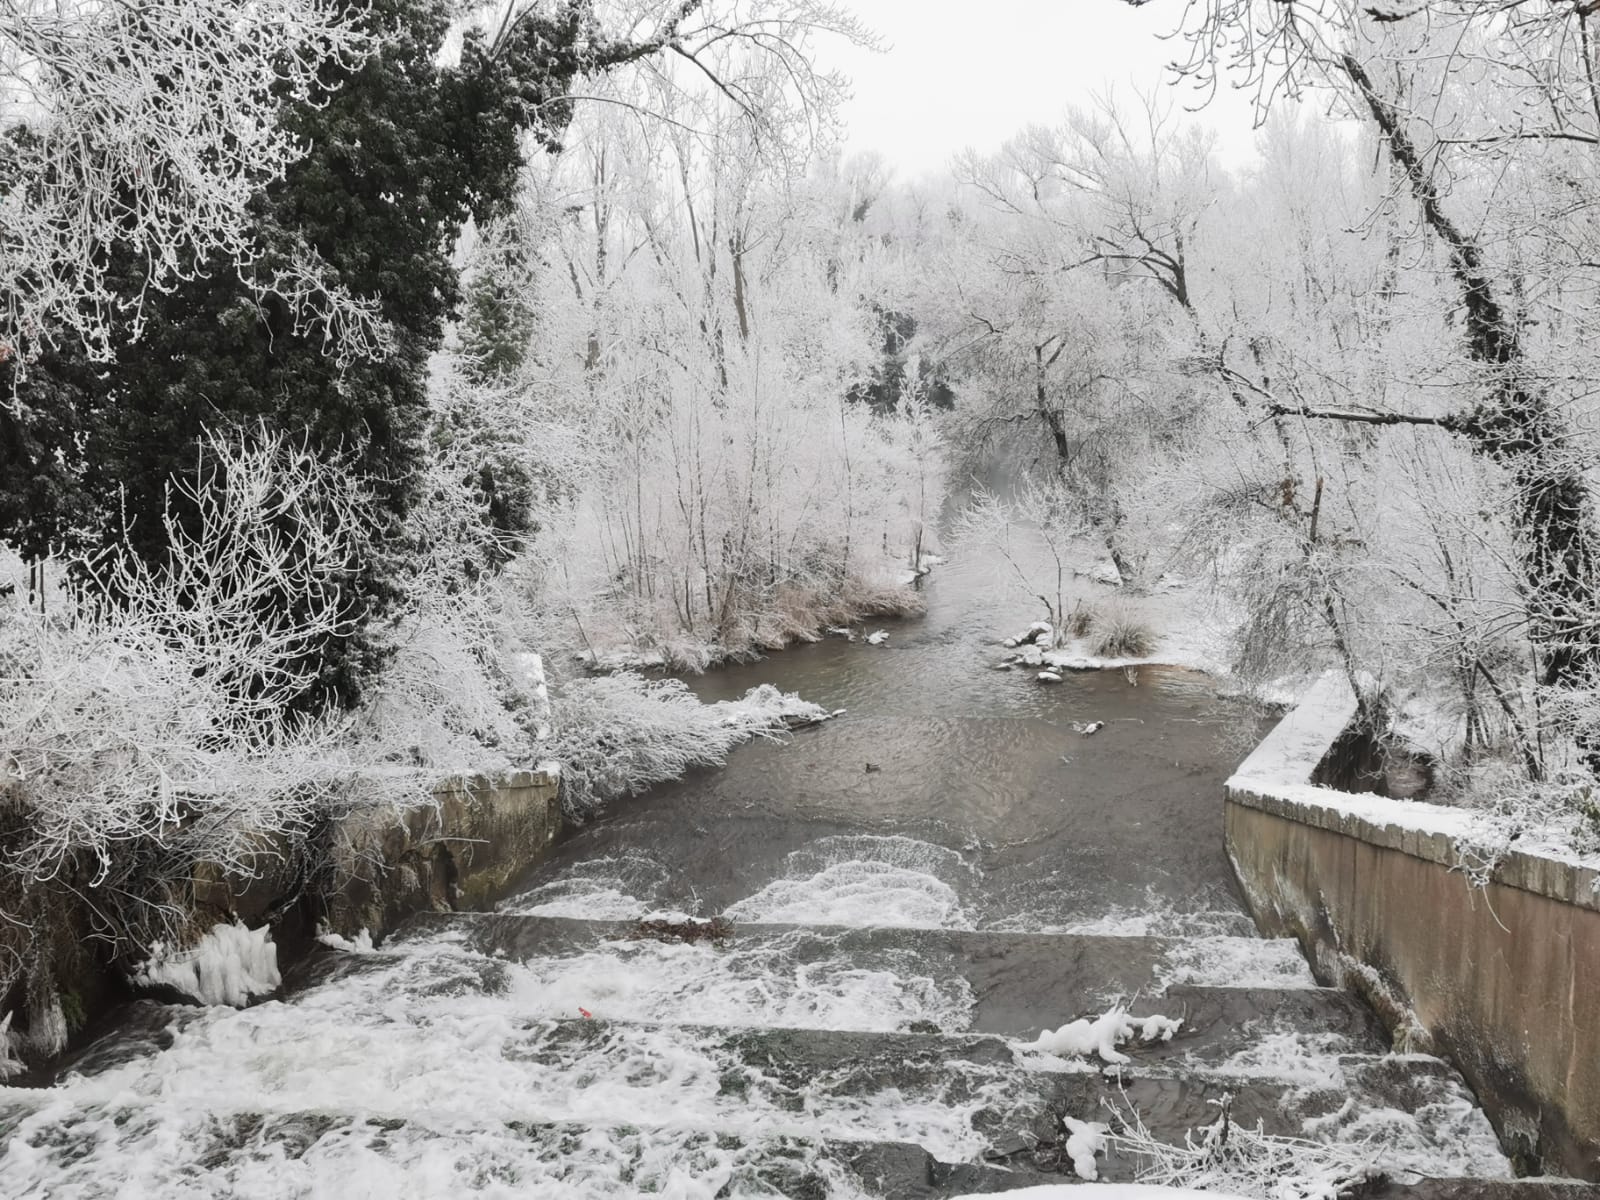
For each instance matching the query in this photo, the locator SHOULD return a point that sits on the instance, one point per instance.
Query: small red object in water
(585, 1011)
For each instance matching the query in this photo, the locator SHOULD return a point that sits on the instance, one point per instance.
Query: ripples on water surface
(950, 797)
(950, 794)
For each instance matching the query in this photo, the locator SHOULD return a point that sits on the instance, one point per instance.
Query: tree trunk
(1515, 427)
(1052, 418)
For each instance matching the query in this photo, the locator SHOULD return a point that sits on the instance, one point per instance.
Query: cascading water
(916, 890)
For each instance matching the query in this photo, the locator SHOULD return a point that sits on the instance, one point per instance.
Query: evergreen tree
(404, 151)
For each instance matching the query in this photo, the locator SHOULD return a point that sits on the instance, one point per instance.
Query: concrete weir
(459, 853)
(1503, 979)
(369, 870)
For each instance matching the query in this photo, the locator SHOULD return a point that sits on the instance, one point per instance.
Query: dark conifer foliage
(402, 153)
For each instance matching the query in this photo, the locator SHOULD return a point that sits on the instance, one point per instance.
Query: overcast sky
(961, 73)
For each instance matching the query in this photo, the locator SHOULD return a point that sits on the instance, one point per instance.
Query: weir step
(1006, 980)
(92, 1153)
(961, 1096)
(798, 1056)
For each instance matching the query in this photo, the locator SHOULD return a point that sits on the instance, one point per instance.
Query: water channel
(911, 886)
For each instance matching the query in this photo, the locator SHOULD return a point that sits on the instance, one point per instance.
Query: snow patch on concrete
(1101, 1036)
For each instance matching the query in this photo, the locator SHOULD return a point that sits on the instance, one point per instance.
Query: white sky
(961, 73)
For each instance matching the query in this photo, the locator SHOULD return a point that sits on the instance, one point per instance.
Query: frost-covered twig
(150, 127)
(1237, 1160)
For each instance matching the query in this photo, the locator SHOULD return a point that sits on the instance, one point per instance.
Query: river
(948, 793)
(917, 887)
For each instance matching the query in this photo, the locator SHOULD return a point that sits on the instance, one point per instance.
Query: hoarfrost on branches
(149, 128)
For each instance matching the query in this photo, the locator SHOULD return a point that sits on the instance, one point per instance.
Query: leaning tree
(1489, 117)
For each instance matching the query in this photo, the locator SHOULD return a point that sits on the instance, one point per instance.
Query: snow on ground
(1106, 1191)
(1192, 628)
(924, 564)
(229, 965)
(765, 704)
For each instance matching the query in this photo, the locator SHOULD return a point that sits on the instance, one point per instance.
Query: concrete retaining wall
(370, 871)
(1504, 980)
(458, 854)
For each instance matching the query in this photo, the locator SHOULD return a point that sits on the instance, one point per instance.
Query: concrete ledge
(1276, 779)
(372, 869)
(1503, 979)
(458, 853)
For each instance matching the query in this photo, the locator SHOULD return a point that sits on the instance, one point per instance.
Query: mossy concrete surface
(457, 854)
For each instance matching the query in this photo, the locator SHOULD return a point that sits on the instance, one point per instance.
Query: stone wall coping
(1275, 779)
(544, 775)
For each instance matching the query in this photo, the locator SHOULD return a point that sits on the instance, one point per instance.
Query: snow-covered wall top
(1276, 778)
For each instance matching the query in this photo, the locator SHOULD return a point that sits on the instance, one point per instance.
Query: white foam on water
(863, 880)
(621, 888)
(1041, 909)
(1235, 962)
(164, 1153)
(451, 1042)
(1441, 1131)
(485, 1066)
(894, 849)
(586, 900)
(1156, 921)
(1295, 1058)
(859, 894)
(484, 1093)
(1444, 1134)
(766, 984)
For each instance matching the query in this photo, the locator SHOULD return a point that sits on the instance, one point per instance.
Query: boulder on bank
(1040, 633)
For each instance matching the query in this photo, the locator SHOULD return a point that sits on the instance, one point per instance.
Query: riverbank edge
(458, 850)
(900, 602)
(1503, 979)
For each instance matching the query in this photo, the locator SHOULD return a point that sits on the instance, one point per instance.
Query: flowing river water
(949, 793)
(917, 888)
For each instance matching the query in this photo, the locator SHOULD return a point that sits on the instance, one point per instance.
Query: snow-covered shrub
(441, 706)
(617, 734)
(158, 711)
(1119, 631)
(159, 721)
(1513, 812)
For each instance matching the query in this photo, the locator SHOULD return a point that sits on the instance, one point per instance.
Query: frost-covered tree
(1063, 307)
(399, 150)
(1487, 116)
(706, 317)
(145, 132)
